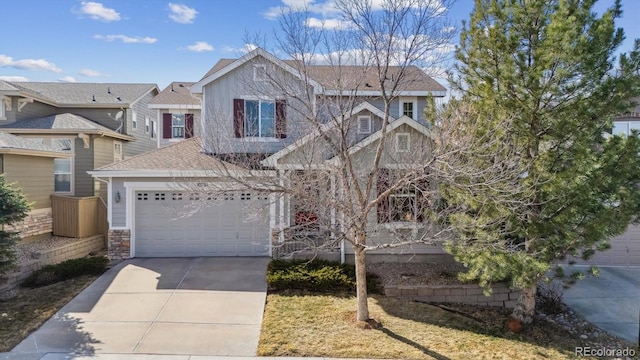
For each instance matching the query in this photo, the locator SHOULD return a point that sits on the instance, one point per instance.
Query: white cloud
(13, 78)
(28, 64)
(181, 13)
(97, 11)
(127, 39)
(327, 23)
(200, 46)
(91, 73)
(240, 50)
(67, 79)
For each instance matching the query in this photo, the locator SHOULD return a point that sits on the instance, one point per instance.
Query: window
(402, 142)
(134, 120)
(625, 127)
(153, 129)
(117, 151)
(364, 124)
(408, 107)
(259, 118)
(177, 126)
(147, 123)
(3, 99)
(62, 167)
(259, 72)
(405, 204)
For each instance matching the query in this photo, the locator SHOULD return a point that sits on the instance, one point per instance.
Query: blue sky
(154, 41)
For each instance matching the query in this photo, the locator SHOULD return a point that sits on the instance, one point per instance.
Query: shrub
(317, 276)
(65, 270)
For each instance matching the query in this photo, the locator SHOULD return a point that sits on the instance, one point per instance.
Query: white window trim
(275, 115)
(72, 162)
(408, 99)
(398, 149)
(153, 129)
(256, 76)
(116, 156)
(184, 126)
(134, 119)
(369, 127)
(3, 115)
(147, 125)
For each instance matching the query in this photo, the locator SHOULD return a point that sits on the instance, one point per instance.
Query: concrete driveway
(610, 301)
(179, 306)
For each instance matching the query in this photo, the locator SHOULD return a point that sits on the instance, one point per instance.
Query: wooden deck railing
(78, 217)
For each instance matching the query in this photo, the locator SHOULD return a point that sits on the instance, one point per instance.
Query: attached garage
(625, 250)
(173, 224)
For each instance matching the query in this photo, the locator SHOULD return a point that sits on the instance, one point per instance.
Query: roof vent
(118, 98)
(367, 85)
(94, 98)
(172, 87)
(181, 85)
(108, 90)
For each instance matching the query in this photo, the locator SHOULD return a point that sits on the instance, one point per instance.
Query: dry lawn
(30, 308)
(299, 324)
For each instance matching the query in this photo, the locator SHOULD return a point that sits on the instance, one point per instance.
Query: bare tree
(370, 183)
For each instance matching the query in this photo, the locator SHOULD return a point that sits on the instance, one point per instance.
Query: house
(178, 111)
(30, 166)
(255, 130)
(96, 123)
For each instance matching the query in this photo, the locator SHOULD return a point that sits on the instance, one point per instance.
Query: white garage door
(624, 251)
(171, 224)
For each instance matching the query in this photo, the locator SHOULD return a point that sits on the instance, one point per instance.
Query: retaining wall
(501, 296)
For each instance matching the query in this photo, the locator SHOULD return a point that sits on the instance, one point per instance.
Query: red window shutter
(281, 119)
(188, 126)
(382, 185)
(238, 118)
(166, 126)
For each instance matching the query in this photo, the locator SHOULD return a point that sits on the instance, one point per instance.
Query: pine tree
(548, 67)
(13, 208)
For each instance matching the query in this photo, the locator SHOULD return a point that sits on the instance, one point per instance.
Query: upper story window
(153, 130)
(3, 114)
(134, 120)
(147, 125)
(403, 142)
(117, 151)
(259, 72)
(364, 124)
(177, 126)
(259, 118)
(63, 167)
(408, 107)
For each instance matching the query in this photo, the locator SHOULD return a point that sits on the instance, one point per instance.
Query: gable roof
(403, 120)
(224, 67)
(273, 159)
(177, 94)
(5, 86)
(62, 124)
(184, 156)
(11, 144)
(85, 94)
(344, 78)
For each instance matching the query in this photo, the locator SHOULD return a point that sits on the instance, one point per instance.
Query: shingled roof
(186, 155)
(15, 144)
(85, 94)
(348, 77)
(62, 123)
(177, 93)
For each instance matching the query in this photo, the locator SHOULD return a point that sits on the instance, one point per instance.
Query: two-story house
(96, 123)
(263, 117)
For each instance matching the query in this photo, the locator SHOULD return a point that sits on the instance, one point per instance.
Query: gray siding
(34, 175)
(102, 155)
(239, 84)
(119, 210)
(29, 111)
(143, 141)
(83, 162)
(197, 124)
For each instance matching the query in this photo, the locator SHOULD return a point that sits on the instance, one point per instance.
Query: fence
(78, 217)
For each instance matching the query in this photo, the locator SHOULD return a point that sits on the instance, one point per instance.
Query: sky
(157, 41)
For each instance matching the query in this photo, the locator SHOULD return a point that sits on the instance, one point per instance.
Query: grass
(24, 313)
(323, 325)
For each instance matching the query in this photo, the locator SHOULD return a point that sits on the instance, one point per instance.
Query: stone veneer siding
(119, 244)
(501, 296)
(77, 249)
(36, 223)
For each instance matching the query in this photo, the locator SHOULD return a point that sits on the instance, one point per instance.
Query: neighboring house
(98, 123)
(30, 166)
(178, 112)
(244, 118)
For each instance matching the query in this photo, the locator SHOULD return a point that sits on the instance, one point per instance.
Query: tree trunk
(526, 306)
(362, 313)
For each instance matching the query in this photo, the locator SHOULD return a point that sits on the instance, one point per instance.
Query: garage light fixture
(117, 197)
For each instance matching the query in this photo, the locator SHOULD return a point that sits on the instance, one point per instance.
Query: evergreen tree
(548, 67)
(13, 208)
